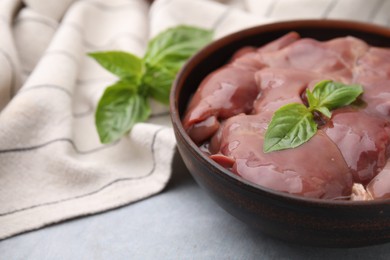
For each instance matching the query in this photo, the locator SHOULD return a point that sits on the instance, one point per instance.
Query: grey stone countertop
(181, 222)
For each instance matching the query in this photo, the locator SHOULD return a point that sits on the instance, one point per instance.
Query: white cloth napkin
(52, 165)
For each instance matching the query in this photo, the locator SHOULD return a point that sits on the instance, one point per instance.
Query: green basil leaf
(126, 102)
(325, 111)
(171, 48)
(122, 64)
(313, 101)
(334, 94)
(119, 109)
(157, 82)
(291, 126)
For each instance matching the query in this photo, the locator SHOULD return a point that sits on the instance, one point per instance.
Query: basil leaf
(119, 109)
(122, 64)
(325, 111)
(171, 48)
(291, 126)
(334, 94)
(313, 101)
(157, 83)
(126, 102)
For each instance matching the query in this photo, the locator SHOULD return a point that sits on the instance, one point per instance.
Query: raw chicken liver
(230, 112)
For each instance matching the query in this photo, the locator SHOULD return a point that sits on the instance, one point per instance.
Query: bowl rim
(236, 37)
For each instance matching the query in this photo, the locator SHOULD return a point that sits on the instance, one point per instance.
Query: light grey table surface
(182, 222)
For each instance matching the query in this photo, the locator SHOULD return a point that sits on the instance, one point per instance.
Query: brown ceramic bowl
(288, 217)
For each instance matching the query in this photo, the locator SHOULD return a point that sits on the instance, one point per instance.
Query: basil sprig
(294, 124)
(126, 102)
